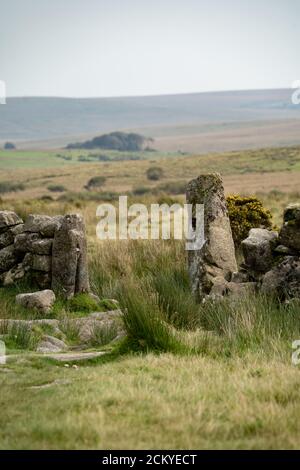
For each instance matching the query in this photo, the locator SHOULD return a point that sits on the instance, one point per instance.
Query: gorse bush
(246, 213)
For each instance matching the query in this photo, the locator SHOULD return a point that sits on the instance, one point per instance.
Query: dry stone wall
(49, 251)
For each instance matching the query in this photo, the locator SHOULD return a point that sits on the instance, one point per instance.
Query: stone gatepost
(212, 265)
(69, 258)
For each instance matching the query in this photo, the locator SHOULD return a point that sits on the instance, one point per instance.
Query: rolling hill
(198, 122)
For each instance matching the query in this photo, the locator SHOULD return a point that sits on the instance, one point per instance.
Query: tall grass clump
(144, 322)
(103, 334)
(175, 298)
(20, 336)
(252, 322)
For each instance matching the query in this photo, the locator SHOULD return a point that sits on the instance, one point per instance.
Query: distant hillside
(188, 122)
(114, 141)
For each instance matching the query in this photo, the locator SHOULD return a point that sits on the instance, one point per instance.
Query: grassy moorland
(39, 172)
(217, 375)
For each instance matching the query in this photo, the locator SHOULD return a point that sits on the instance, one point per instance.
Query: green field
(31, 159)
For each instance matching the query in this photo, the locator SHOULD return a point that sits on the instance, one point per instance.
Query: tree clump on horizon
(114, 141)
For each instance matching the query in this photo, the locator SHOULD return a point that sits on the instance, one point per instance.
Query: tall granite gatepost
(213, 264)
(69, 258)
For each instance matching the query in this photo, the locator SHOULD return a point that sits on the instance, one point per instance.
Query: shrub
(10, 186)
(141, 190)
(154, 173)
(56, 188)
(78, 198)
(174, 187)
(95, 182)
(46, 197)
(9, 146)
(246, 213)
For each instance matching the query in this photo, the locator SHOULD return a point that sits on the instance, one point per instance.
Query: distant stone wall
(49, 251)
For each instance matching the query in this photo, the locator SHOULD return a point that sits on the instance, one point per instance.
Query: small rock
(41, 279)
(290, 235)
(42, 247)
(50, 344)
(292, 212)
(37, 262)
(284, 250)
(78, 356)
(9, 257)
(33, 243)
(219, 288)
(7, 238)
(41, 263)
(41, 301)
(240, 277)
(9, 219)
(241, 289)
(94, 297)
(14, 274)
(43, 224)
(283, 280)
(27, 262)
(257, 249)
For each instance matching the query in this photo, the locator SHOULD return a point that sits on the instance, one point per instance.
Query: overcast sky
(146, 47)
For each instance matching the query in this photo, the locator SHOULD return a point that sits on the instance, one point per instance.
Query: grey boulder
(290, 235)
(283, 280)
(37, 262)
(50, 344)
(9, 219)
(257, 249)
(14, 274)
(43, 224)
(41, 301)
(8, 237)
(9, 257)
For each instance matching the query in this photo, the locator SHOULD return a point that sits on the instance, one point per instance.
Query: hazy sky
(141, 47)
